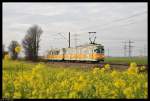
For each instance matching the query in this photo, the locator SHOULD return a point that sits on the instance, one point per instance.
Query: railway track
(92, 64)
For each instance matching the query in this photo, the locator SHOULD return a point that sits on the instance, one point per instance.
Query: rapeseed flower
(64, 83)
(81, 78)
(128, 92)
(55, 83)
(107, 67)
(95, 70)
(102, 70)
(114, 74)
(133, 68)
(120, 83)
(113, 93)
(142, 68)
(80, 86)
(17, 94)
(133, 64)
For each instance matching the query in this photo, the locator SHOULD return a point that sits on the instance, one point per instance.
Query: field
(38, 80)
(138, 60)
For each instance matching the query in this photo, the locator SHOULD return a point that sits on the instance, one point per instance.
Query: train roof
(85, 45)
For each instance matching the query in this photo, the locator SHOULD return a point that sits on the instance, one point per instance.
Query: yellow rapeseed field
(29, 80)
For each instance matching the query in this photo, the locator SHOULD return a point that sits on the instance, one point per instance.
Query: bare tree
(31, 42)
(11, 48)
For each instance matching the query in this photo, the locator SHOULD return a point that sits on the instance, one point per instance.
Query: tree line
(30, 44)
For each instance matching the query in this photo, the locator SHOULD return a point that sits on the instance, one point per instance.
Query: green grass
(138, 60)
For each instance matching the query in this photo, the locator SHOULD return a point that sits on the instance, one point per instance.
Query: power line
(121, 19)
(63, 37)
(68, 40)
(76, 39)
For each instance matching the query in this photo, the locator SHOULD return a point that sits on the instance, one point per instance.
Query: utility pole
(125, 48)
(91, 36)
(130, 51)
(69, 39)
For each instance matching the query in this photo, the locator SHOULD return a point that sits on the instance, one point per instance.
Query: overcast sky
(114, 23)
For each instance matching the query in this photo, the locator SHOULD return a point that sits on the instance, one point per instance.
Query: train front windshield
(99, 50)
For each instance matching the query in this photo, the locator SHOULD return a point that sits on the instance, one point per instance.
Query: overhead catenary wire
(121, 19)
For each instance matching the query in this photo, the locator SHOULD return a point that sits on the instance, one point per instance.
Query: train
(86, 52)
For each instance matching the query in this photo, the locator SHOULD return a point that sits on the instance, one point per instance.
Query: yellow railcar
(89, 52)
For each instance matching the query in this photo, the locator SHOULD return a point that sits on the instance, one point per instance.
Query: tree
(11, 48)
(31, 42)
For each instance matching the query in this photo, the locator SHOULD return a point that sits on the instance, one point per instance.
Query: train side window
(67, 51)
(60, 52)
(57, 52)
(71, 51)
(77, 51)
(84, 51)
(89, 51)
(80, 51)
(99, 50)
